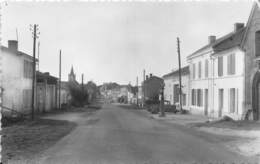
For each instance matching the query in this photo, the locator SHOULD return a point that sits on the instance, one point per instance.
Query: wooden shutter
(220, 66)
(206, 68)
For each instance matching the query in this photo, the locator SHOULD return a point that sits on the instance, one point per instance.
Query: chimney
(238, 26)
(151, 75)
(212, 39)
(146, 77)
(13, 45)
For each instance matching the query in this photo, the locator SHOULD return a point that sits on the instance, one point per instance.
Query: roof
(46, 76)
(17, 52)
(153, 78)
(225, 42)
(184, 71)
(230, 41)
(249, 21)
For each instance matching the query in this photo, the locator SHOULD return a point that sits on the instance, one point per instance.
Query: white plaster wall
(213, 83)
(13, 81)
(200, 83)
(229, 81)
(169, 90)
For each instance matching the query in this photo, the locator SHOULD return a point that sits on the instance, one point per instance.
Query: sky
(116, 41)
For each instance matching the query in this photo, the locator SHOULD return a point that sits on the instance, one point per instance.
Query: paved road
(116, 135)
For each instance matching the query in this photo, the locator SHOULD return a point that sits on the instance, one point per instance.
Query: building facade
(152, 87)
(251, 47)
(47, 92)
(172, 87)
(217, 76)
(16, 78)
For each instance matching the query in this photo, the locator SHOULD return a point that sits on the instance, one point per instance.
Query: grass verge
(27, 139)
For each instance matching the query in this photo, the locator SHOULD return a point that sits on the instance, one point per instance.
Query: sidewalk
(248, 132)
(182, 119)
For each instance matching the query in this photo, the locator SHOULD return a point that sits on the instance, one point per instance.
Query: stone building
(251, 47)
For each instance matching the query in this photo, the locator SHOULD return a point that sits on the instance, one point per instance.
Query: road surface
(116, 135)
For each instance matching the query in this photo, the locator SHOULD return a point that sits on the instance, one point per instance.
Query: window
(199, 69)
(28, 69)
(232, 100)
(193, 94)
(199, 97)
(220, 66)
(220, 101)
(231, 64)
(194, 70)
(257, 43)
(206, 68)
(184, 99)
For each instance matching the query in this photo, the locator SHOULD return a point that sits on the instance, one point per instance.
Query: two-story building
(172, 87)
(217, 76)
(16, 78)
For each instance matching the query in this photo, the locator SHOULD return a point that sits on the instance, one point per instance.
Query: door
(258, 98)
(221, 102)
(206, 102)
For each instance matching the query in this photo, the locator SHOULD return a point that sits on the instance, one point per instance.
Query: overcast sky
(115, 41)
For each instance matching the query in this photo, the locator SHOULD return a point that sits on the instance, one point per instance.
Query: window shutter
(220, 66)
(234, 64)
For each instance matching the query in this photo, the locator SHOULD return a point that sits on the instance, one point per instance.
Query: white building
(171, 89)
(16, 78)
(217, 76)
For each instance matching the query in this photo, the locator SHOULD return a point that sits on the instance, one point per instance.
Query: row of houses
(113, 92)
(17, 80)
(222, 77)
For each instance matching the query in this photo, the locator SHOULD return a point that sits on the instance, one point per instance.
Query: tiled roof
(17, 52)
(230, 41)
(227, 41)
(184, 71)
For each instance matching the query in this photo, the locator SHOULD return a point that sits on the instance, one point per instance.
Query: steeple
(72, 75)
(71, 70)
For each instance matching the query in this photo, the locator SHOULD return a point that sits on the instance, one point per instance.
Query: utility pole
(38, 56)
(34, 32)
(59, 79)
(180, 84)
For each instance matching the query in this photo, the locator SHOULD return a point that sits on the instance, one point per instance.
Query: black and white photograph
(130, 82)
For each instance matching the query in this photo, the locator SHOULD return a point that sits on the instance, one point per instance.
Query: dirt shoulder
(26, 139)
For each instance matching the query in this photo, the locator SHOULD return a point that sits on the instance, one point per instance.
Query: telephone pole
(35, 33)
(180, 84)
(38, 55)
(59, 79)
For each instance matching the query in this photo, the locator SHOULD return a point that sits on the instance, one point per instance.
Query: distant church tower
(72, 75)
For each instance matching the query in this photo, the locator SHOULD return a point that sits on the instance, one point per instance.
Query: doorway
(221, 101)
(256, 96)
(206, 102)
